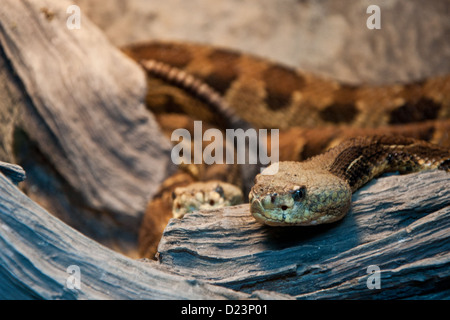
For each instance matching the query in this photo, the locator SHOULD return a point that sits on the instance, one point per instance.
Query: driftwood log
(14, 172)
(72, 115)
(37, 249)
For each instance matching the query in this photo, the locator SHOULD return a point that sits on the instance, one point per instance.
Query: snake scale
(367, 130)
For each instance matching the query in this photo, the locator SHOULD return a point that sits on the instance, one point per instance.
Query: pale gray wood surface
(37, 249)
(14, 172)
(73, 109)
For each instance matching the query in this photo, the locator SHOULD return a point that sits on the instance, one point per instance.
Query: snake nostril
(284, 207)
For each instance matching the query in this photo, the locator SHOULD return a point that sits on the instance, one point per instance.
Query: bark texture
(37, 249)
(72, 114)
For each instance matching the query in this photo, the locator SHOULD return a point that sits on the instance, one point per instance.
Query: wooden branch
(14, 172)
(37, 249)
(399, 223)
(93, 153)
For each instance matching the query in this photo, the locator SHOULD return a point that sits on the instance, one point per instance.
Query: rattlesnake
(313, 114)
(319, 190)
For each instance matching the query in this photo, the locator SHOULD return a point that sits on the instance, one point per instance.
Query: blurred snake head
(299, 196)
(204, 196)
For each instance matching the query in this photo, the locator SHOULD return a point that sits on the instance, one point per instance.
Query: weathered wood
(399, 223)
(37, 249)
(12, 171)
(73, 116)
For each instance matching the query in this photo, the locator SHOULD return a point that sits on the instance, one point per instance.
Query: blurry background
(323, 36)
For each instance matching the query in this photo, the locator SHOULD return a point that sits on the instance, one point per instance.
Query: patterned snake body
(319, 190)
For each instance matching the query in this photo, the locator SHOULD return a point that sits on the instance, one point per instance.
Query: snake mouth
(282, 213)
(262, 215)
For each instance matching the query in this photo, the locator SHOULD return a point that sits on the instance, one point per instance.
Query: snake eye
(298, 194)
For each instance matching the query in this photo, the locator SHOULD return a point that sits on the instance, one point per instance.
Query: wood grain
(37, 249)
(79, 125)
(14, 172)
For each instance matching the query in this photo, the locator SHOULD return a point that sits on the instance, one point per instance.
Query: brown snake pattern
(312, 113)
(270, 95)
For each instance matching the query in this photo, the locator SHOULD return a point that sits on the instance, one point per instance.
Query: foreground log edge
(43, 258)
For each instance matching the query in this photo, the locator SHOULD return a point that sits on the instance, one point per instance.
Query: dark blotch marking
(225, 71)
(170, 105)
(445, 165)
(298, 194)
(427, 133)
(343, 109)
(281, 82)
(339, 113)
(422, 109)
(390, 158)
(359, 169)
(374, 151)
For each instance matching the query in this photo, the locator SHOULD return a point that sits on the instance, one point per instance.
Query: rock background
(327, 37)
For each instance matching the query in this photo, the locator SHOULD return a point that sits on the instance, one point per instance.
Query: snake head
(203, 196)
(299, 196)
